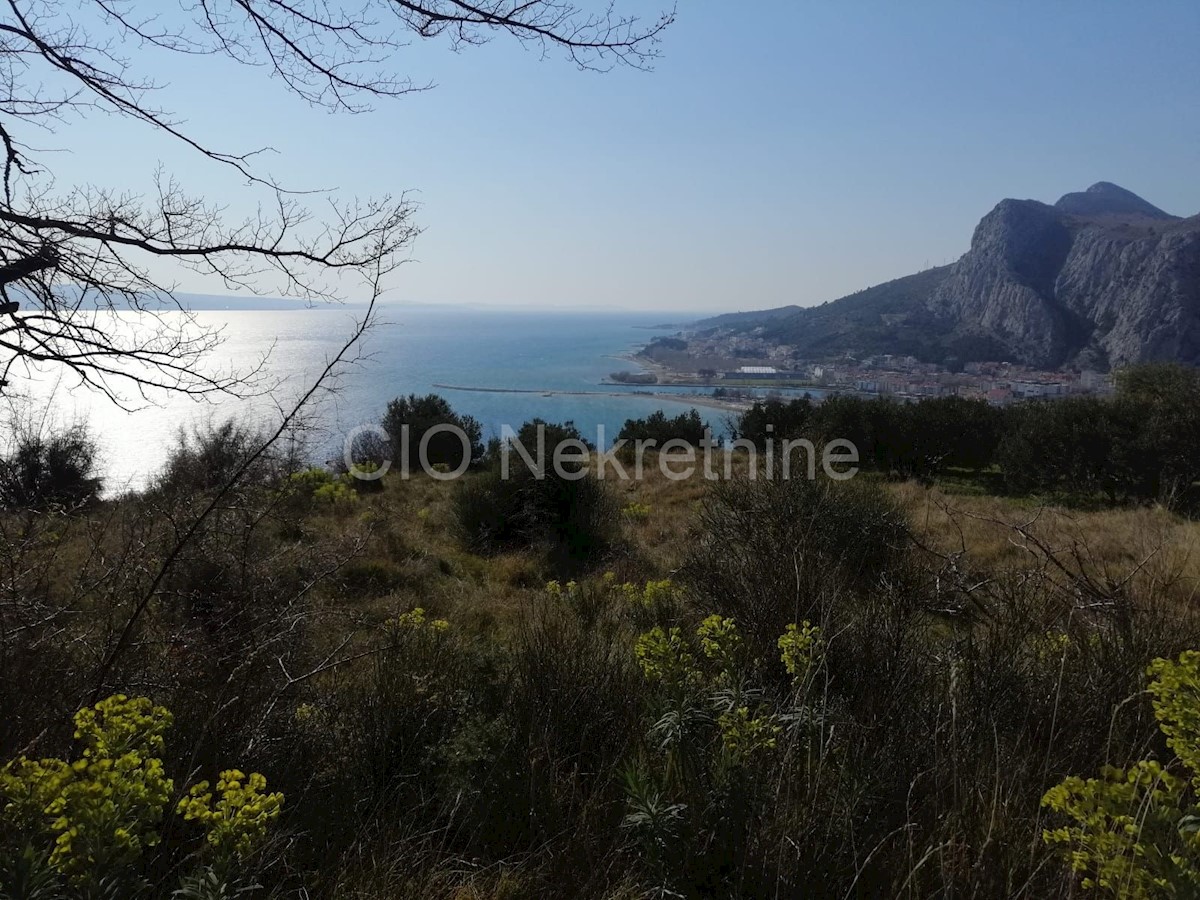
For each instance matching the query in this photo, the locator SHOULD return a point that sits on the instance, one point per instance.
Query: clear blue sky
(781, 152)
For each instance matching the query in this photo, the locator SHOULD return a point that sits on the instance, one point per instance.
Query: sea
(409, 350)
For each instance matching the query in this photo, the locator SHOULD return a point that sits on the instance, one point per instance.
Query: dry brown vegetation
(505, 756)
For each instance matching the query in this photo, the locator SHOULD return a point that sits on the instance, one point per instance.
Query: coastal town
(738, 364)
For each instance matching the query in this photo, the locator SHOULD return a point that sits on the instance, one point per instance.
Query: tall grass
(507, 740)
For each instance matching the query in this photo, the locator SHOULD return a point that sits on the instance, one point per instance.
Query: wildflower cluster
(636, 512)
(1049, 647)
(653, 596)
(1135, 833)
(800, 649)
(668, 657)
(335, 493)
(91, 819)
(665, 657)
(744, 735)
(1175, 687)
(308, 480)
(720, 641)
(323, 487)
(103, 810)
(416, 620)
(559, 590)
(236, 822)
(1124, 839)
(361, 469)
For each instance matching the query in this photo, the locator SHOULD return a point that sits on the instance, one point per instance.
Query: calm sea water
(411, 351)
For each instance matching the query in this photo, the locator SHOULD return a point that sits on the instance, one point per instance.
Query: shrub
(57, 469)
(562, 507)
(409, 419)
(207, 456)
(576, 517)
(768, 550)
(688, 427)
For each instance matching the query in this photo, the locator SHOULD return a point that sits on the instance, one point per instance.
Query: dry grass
(410, 528)
(408, 556)
(397, 550)
(1153, 551)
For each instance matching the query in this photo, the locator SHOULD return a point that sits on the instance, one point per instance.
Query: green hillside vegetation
(888, 318)
(890, 686)
(1134, 447)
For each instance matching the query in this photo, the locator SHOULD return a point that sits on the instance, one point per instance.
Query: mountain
(1101, 278)
(1106, 198)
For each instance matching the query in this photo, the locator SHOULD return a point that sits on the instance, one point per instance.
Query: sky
(780, 152)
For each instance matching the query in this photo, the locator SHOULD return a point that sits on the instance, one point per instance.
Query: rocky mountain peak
(1101, 278)
(1107, 199)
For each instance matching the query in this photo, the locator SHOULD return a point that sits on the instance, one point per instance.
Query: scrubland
(748, 688)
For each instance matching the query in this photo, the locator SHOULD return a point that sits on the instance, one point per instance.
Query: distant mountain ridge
(1101, 278)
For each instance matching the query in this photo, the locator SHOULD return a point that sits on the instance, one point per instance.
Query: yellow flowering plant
(713, 677)
(654, 596)
(103, 810)
(800, 649)
(664, 656)
(416, 620)
(90, 820)
(744, 735)
(711, 732)
(635, 511)
(1135, 833)
(237, 817)
(720, 642)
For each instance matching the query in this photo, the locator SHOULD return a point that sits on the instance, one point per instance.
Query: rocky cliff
(1101, 278)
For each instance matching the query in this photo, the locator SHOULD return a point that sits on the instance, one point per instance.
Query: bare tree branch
(71, 262)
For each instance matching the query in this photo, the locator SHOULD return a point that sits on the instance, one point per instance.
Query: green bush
(577, 518)
(768, 551)
(54, 470)
(415, 417)
(515, 506)
(657, 427)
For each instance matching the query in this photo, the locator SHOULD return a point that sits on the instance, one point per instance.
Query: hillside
(390, 682)
(1102, 278)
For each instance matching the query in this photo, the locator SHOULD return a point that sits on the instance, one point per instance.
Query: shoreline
(669, 377)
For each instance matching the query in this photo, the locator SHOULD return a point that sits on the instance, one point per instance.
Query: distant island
(211, 302)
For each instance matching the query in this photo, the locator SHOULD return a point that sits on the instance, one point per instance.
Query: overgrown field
(751, 688)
